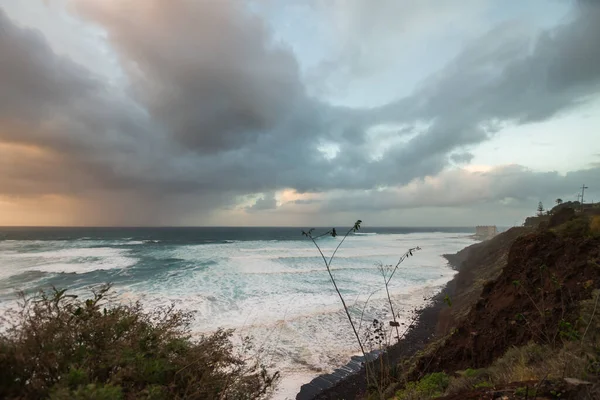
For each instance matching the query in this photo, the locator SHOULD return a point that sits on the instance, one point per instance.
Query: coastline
(348, 382)
(434, 320)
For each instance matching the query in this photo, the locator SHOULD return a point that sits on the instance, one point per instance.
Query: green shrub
(577, 227)
(524, 391)
(567, 331)
(61, 347)
(431, 386)
(88, 392)
(473, 373)
(469, 379)
(76, 377)
(483, 385)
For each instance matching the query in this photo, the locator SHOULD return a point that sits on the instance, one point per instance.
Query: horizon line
(238, 226)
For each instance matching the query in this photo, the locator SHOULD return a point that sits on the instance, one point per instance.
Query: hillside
(477, 264)
(524, 288)
(544, 279)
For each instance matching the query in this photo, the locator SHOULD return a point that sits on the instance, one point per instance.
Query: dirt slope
(477, 264)
(545, 277)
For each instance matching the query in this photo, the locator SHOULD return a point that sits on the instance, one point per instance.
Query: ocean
(267, 283)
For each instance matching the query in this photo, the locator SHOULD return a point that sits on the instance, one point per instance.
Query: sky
(296, 113)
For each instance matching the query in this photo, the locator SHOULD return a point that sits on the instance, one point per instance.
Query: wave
(76, 260)
(134, 242)
(311, 271)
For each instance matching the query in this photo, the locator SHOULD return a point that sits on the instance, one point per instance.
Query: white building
(486, 231)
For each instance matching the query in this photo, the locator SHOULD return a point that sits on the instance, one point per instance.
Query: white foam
(64, 260)
(276, 291)
(290, 384)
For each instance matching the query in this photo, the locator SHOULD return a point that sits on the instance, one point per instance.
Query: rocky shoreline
(348, 381)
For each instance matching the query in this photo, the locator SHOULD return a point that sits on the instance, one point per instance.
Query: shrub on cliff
(429, 387)
(59, 346)
(575, 228)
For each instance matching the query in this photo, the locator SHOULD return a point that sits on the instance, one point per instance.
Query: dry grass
(595, 225)
(578, 357)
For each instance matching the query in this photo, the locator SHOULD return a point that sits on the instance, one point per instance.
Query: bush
(431, 386)
(58, 346)
(469, 379)
(577, 227)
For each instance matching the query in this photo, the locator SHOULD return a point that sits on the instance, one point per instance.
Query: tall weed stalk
(376, 331)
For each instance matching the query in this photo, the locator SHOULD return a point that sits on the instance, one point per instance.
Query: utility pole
(583, 187)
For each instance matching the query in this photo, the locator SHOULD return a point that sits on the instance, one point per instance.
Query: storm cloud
(212, 108)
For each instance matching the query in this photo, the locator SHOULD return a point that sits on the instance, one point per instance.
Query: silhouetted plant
(333, 233)
(376, 335)
(387, 272)
(540, 209)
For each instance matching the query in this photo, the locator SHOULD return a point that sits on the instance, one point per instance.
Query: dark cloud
(213, 108)
(306, 201)
(207, 70)
(34, 79)
(461, 158)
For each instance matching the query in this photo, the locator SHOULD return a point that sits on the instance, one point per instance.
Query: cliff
(519, 307)
(544, 278)
(477, 264)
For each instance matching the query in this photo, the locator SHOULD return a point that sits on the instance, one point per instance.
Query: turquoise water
(269, 283)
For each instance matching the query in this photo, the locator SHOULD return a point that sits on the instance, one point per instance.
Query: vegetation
(377, 337)
(431, 386)
(540, 209)
(595, 225)
(536, 368)
(59, 346)
(387, 272)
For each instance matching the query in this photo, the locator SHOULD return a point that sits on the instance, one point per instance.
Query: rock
(358, 359)
(354, 366)
(342, 373)
(321, 383)
(308, 392)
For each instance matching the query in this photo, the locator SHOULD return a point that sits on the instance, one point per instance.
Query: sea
(269, 284)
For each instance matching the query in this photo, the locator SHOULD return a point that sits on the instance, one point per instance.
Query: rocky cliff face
(477, 264)
(541, 278)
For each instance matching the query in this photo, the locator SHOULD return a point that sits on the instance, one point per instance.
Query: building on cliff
(486, 231)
